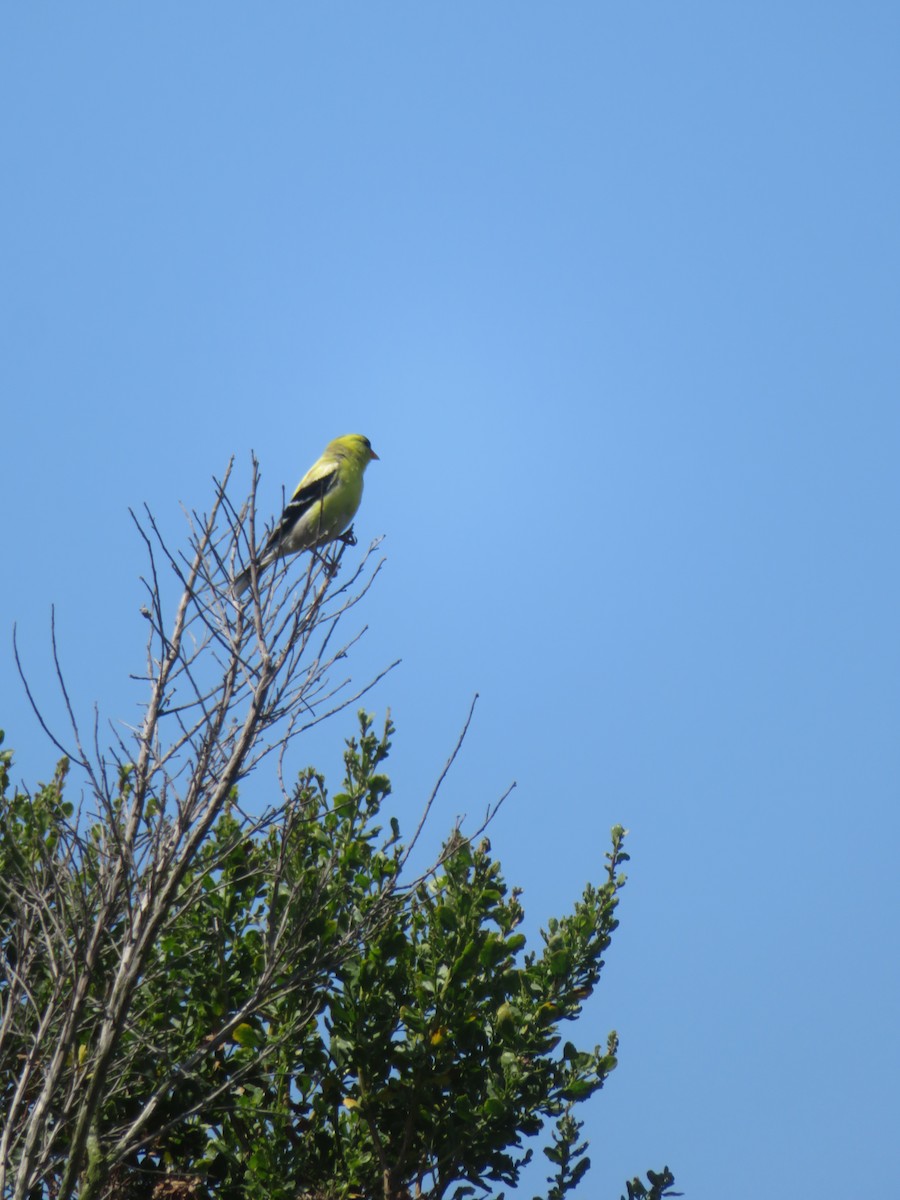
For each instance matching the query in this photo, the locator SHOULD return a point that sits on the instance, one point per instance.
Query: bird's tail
(241, 583)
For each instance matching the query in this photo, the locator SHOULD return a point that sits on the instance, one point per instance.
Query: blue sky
(614, 290)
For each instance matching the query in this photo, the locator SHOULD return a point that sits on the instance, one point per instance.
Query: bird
(322, 506)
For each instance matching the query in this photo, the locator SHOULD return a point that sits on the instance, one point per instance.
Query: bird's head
(353, 445)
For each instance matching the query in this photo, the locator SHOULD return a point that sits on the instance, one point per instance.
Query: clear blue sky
(615, 292)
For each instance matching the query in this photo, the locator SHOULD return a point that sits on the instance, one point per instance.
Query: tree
(197, 1002)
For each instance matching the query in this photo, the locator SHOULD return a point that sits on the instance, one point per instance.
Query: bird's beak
(372, 453)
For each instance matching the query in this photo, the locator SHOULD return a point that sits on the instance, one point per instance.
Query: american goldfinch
(323, 505)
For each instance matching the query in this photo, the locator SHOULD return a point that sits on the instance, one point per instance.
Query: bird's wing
(319, 480)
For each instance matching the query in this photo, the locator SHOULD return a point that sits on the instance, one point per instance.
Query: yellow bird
(323, 505)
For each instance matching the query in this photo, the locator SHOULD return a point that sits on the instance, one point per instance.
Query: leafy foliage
(307, 1024)
(660, 1186)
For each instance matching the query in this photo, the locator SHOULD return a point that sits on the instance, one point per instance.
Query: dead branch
(229, 684)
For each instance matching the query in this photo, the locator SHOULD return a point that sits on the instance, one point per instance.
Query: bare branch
(229, 684)
(440, 779)
(95, 907)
